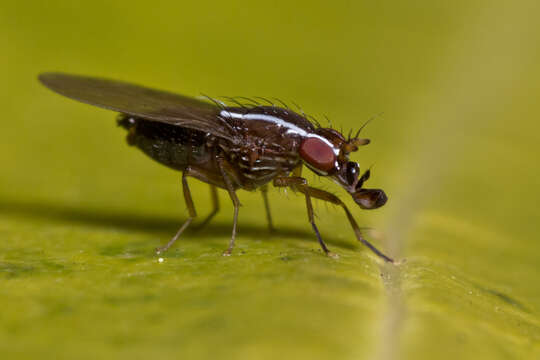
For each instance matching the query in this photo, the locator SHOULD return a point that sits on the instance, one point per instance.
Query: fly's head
(326, 152)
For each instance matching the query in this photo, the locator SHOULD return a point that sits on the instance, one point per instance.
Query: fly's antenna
(354, 142)
(264, 99)
(362, 127)
(349, 135)
(219, 104)
(367, 122)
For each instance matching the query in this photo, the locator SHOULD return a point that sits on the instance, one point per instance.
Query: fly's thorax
(268, 127)
(268, 141)
(257, 162)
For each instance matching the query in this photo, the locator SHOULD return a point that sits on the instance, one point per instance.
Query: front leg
(215, 207)
(300, 184)
(326, 196)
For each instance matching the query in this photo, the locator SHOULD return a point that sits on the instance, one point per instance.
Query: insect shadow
(152, 224)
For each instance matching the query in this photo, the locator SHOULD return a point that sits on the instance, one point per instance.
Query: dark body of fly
(243, 147)
(264, 147)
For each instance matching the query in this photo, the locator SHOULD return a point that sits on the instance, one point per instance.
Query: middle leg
(300, 184)
(215, 207)
(227, 174)
(264, 192)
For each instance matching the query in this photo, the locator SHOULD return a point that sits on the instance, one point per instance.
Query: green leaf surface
(456, 150)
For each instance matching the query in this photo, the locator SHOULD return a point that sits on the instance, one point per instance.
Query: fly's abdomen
(170, 145)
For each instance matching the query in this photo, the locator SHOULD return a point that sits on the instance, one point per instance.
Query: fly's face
(326, 152)
(365, 198)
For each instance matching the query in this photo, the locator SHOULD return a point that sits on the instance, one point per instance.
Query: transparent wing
(140, 101)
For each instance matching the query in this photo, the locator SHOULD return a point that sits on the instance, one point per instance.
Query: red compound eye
(318, 154)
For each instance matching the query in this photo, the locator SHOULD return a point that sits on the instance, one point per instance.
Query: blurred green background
(456, 150)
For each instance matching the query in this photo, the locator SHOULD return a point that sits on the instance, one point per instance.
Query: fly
(230, 147)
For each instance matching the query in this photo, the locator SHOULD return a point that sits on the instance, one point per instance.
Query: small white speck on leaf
(160, 260)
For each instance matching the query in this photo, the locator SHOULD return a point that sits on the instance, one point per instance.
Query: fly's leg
(236, 204)
(300, 184)
(226, 172)
(215, 207)
(326, 196)
(264, 192)
(191, 210)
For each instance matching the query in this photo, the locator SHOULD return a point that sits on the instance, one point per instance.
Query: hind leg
(191, 209)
